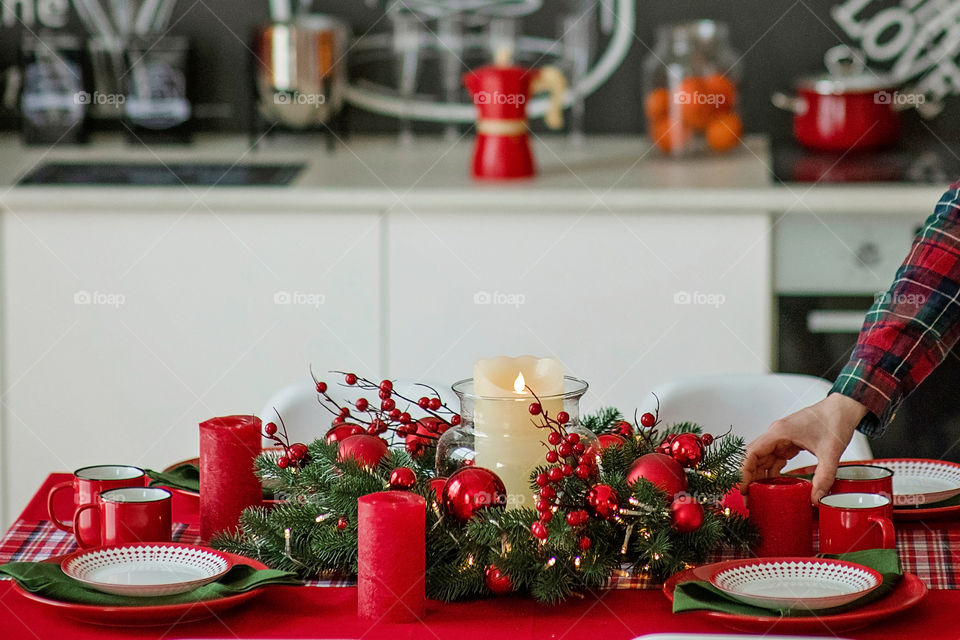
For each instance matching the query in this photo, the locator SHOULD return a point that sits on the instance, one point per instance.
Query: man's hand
(824, 429)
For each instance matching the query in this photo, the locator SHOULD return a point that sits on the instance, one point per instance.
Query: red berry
(338, 421)
(342, 523)
(435, 403)
(350, 378)
(298, 451)
(573, 519)
(455, 419)
(535, 408)
(546, 516)
(548, 493)
(543, 505)
(377, 427)
(542, 479)
(552, 457)
(539, 530)
(578, 449)
(573, 438)
(563, 417)
(706, 439)
(556, 474)
(384, 394)
(404, 418)
(554, 438)
(582, 516)
(584, 543)
(564, 449)
(648, 420)
(283, 462)
(424, 402)
(321, 387)
(388, 405)
(344, 412)
(270, 429)
(567, 470)
(386, 385)
(395, 414)
(583, 471)
(362, 404)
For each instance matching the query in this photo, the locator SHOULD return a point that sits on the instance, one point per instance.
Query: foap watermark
(700, 98)
(499, 298)
(899, 98)
(714, 300)
(499, 97)
(299, 298)
(908, 299)
(99, 98)
(100, 298)
(297, 97)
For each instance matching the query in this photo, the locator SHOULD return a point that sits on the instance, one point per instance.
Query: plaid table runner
(930, 552)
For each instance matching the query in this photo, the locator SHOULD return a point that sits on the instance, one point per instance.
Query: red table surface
(330, 612)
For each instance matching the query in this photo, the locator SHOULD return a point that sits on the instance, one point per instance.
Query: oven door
(817, 335)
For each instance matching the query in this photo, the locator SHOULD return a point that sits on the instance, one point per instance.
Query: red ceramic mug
(128, 514)
(865, 478)
(780, 509)
(87, 484)
(854, 522)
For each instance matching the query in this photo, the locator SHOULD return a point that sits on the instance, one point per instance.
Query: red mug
(854, 522)
(128, 514)
(87, 484)
(780, 510)
(865, 478)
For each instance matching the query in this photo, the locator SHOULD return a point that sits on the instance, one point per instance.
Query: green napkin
(701, 595)
(48, 580)
(187, 477)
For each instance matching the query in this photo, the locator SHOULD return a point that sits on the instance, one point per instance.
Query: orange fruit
(693, 102)
(724, 132)
(670, 135)
(657, 105)
(722, 92)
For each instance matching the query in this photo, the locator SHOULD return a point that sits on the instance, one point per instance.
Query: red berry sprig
(294, 455)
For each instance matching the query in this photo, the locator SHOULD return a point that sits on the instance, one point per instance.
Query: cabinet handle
(835, 321)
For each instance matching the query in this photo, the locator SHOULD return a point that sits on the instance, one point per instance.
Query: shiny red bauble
(436, 485)
(364, 449)
(470, 489)
(498, 582)
(343, 431)
(687, 449)
(648, 420)
(623, 429)
(662, 470)
(686, 514)
(402, 478)
(603, 502)
(610, 440)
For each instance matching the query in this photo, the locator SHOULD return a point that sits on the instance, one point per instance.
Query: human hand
(824, 429)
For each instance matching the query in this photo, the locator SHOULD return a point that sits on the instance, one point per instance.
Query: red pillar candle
(780, 509)
(228, 485)
(391, 556)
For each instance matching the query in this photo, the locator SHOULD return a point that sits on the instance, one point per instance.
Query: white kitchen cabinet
(625, 300)
(123, 330)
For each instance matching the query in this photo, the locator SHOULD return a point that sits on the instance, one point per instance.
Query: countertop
(623, 174)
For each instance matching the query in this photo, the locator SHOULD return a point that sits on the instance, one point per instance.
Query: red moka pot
(501, 93)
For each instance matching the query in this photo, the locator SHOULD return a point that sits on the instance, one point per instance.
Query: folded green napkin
(48, 580)
(701, 595)
(187, 477)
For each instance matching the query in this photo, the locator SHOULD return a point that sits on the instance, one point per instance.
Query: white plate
(795, 583)
(146, 569)
(919, 482)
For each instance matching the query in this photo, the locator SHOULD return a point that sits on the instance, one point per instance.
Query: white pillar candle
(511, 444)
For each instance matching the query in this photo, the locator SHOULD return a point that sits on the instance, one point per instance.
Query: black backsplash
(779, 41)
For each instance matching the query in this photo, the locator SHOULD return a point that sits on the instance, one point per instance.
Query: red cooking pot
(849, 107)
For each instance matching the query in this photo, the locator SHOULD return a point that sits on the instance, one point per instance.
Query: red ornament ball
(270, 428)
(342, 523)
(342, 432)
(364, 449)
(470, 489)
(623, 429)
(610, 440)
(402, 478)
(648, 420)
(687, 449)
(283, 462)
(603, 501)
(436, 485)
(498, 582)
(662, 470)
(686, 514)
(297, 451)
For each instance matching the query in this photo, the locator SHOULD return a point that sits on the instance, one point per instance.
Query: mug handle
(56, 522)
(76, 524)
(886, 530)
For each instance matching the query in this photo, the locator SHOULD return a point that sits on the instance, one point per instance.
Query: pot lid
(833, 84)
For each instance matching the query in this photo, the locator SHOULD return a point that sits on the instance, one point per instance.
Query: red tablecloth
(932, 551)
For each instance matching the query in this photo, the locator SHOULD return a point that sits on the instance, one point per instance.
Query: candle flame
(519, 384)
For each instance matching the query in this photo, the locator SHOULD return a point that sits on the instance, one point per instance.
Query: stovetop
(938, 164)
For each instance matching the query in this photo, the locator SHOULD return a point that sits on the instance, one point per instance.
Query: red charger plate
(908, 592)
(147, 615)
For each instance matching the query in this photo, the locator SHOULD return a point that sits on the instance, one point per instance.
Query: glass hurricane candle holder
(500, 434)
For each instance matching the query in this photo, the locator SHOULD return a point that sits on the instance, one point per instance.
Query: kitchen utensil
(301, 70)
(908, 592)
(780, 510)
(854, 522)
(795, 583)
(124, 515)
(87, 484)
(146, 570)
(849, 107)
(147, 615)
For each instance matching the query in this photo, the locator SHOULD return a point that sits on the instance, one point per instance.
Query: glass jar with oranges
(690, 89)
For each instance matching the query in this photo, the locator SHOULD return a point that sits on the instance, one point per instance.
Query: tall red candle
(228, 446)
(780, 509)
(391, 556)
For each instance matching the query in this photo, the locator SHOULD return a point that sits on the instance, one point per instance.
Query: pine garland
(314, 531)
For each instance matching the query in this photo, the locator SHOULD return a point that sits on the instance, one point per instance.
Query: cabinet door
(625, 301)
(123, 330)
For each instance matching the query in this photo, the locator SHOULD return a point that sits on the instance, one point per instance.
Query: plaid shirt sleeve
(912, 327)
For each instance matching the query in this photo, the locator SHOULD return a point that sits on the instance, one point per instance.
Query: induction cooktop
(934, 165)
(157, 174)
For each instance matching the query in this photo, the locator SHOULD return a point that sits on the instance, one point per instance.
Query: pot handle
(844, 60)
(796, 106)
(551, 79)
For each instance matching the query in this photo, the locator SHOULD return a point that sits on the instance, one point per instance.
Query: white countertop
(616, 173)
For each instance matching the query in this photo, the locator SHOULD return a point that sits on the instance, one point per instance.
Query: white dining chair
(748, 403)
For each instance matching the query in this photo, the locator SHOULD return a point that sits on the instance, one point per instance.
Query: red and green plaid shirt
(910, 329)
